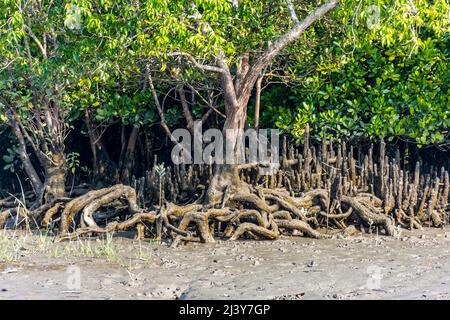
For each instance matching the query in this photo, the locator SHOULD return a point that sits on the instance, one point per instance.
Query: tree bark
(55, 178)
(128, 162)
(237, 94)
(103, 167)
(258, 101)
(35, 180)
(187, 113)
(227, 175)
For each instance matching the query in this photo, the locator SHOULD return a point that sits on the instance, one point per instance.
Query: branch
(206, 115)
(36, 40)
(242, 70)
(229, 89)
(413, 6)
(187, 113)
(291, 10)
(292, 35)
(208, 103)
(27, 136)
(24, 157)
(159, 109)
(196, 63)
(265, 59)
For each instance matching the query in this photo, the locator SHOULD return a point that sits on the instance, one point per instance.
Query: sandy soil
(414, 266)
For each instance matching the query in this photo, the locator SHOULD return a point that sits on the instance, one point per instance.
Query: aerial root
(73, 207)
(256, 230)
(13, 212)
(301, 226)
(137, 219)
(200, 219)
(370, 217)
(4, 215)
(250, 213)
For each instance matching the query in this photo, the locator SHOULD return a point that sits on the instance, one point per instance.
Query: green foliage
(379, 78)
(73, 162)
(371, 69)
(11, 159)
(132, 35)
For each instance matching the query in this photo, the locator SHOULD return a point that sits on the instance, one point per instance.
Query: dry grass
(16, 246)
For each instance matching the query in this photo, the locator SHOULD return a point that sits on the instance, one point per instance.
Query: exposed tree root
(4, 215)
(77, 204)
(243, 212)
(123, 191)
(253, 201)
(92, 201)
(370, 217)
(200, 219)
(50, 213)
(257, 230)
(18, 213)
(301, 226)
(282, 214)
(115, 226)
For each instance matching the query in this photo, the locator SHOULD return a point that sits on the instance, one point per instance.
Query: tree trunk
(237, 92)
(103, 167)
(36, 182)
(128, 162)
(258, 101)
(55, 178)
(187, 113)
(226, 176)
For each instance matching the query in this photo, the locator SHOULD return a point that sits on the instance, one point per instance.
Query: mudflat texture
(415, 265)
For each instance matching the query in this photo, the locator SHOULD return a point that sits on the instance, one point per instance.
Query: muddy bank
(414, 266)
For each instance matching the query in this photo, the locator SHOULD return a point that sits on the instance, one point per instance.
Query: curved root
(369, 217)
(201, 221)
(254, 212)
(111, 227)
(254, 229)
(301, 226)
(77, 204)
